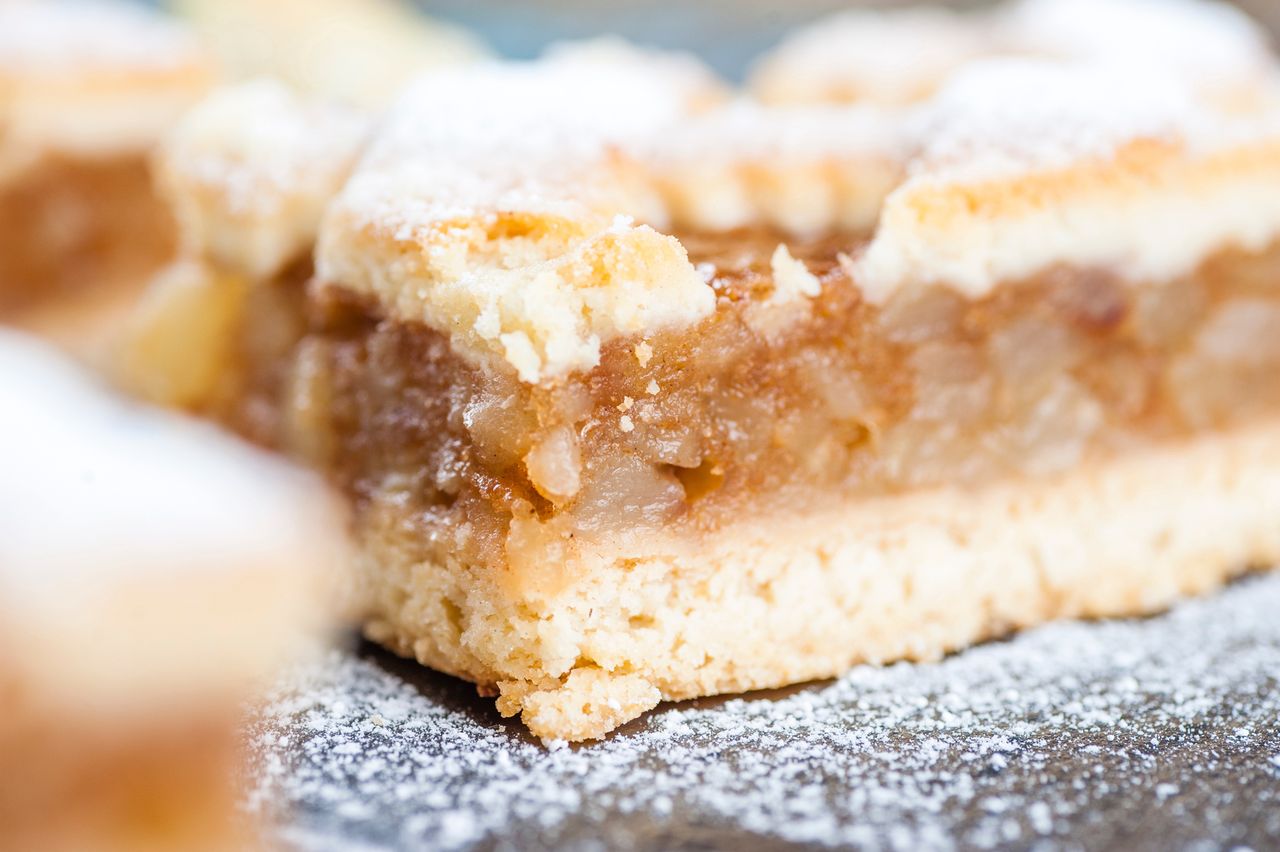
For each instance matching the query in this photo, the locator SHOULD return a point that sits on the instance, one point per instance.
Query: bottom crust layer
(607, 630)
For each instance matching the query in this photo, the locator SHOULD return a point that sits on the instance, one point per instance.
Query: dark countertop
(1161, 733)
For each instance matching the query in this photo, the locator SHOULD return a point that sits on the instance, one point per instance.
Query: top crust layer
(250, 171)
(1019, 165)
(520, 209)
(510, 224)
(906, 56)
(92, 78)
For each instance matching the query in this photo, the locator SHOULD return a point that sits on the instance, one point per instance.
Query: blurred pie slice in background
(86, 91)
(360, 51)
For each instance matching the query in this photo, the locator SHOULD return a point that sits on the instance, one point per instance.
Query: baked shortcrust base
(783, 598)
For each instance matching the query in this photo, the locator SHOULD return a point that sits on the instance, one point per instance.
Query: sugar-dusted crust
(1210, 46)
(581, 642)
(530, 227)
(866, 56)
(1022, 164)
(511, 225)
(250, 170)
(802, 169)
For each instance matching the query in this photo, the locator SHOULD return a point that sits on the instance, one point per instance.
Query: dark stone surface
(1161, 733)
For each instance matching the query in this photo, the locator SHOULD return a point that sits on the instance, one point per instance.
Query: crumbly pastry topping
(532, 225)
(250, 171)
(1023, 164)
(885, 57)
(1211, 46)
(803, 169)
(510, 223)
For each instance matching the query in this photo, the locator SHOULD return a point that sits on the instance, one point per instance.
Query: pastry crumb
(644, 353)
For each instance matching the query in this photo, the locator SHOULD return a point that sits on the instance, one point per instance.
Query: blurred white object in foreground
(151, 572)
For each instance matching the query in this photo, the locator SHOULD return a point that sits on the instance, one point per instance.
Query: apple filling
(795, 388)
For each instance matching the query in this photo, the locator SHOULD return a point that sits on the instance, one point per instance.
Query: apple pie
(642, 390)
(86, 90)
(151, 573)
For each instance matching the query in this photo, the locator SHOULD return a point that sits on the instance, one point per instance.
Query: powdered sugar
(259, 141)
(511, 137)
(1151, 733)
(1003, 116)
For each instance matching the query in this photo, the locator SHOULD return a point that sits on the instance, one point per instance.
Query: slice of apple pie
(641, 391)
(86, 89)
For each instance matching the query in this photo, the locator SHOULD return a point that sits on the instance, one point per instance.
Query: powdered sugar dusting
(46, 36)
(531, 138)
(1155, 732)
(1008, 115)
(258, 141)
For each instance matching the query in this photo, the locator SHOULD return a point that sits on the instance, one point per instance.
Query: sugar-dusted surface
(1153, 734)
(250, 171)
(260, 139)
(1002, 118)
